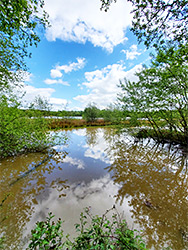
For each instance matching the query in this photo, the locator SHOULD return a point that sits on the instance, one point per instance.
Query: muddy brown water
(96, 167)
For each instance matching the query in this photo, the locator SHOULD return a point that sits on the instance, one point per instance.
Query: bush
(47, 234)
(94, 232)
(90, 113)
(19, 131)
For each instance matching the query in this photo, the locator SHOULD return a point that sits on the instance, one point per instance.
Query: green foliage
(158, 22)
(112, 114)
(20, 21)
(2, 239)
(161, 91)
(19, 131)
(134, 120)
(40, 103)
(94, 232)
(90, 113)
(47, 234)
(105, 233)
(105, 4)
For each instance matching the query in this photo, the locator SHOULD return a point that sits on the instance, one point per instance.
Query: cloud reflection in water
(99, 194)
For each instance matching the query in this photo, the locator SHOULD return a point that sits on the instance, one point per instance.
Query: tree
(41, 104)
(158, 22)
(90, 113)
(20, 21)
(112, 113)
(20, 132)
(161, 92)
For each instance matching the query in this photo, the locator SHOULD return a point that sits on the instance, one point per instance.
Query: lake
(97, 167)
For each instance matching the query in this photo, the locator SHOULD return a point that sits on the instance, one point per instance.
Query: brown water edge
(98, 168)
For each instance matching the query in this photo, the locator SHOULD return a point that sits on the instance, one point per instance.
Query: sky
(83, 55)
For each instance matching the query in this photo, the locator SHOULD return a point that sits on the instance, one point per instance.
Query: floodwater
(96, 167)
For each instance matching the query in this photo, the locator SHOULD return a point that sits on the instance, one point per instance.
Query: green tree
(20, 22)
(40, 106)
(160, 22)
(112, 114)
(156, 22)
(19, 132)
(40, 103)
(161, 92)
(90, 113)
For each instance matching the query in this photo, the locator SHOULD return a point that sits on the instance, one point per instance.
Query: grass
(164, 135)
(76, 123)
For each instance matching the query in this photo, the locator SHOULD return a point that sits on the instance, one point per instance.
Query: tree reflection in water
(25, 193)
(154, 178)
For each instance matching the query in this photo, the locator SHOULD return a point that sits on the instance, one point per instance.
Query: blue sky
(84, 53)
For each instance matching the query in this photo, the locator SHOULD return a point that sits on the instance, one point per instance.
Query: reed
(75, 123)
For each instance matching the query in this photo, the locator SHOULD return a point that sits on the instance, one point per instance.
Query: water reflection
(99, 194)
(154, 177)
(98, 168)
(23, 194)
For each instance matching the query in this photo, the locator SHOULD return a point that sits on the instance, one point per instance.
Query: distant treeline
(101, 113)
(63, 113)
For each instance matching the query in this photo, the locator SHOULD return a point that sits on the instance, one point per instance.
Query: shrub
(47, 234)
(90, 113)
(94, 232)
(19, 131)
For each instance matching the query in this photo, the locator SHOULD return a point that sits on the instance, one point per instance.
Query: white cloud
(74, 162)
(71, 66)
(58, 103)
(102, 84)
(31, 92)
(54, 81)
(130, 75)
(27, 94)
(82, 21)
(132, 53)
(54, 73)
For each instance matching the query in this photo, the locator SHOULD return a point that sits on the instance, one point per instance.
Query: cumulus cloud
(26, 95)
(71, 66)
(82, 21)
(74, 162)
(56, 72)
(54, 81)
(132, 53)
(102, 84)
(58, 103)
